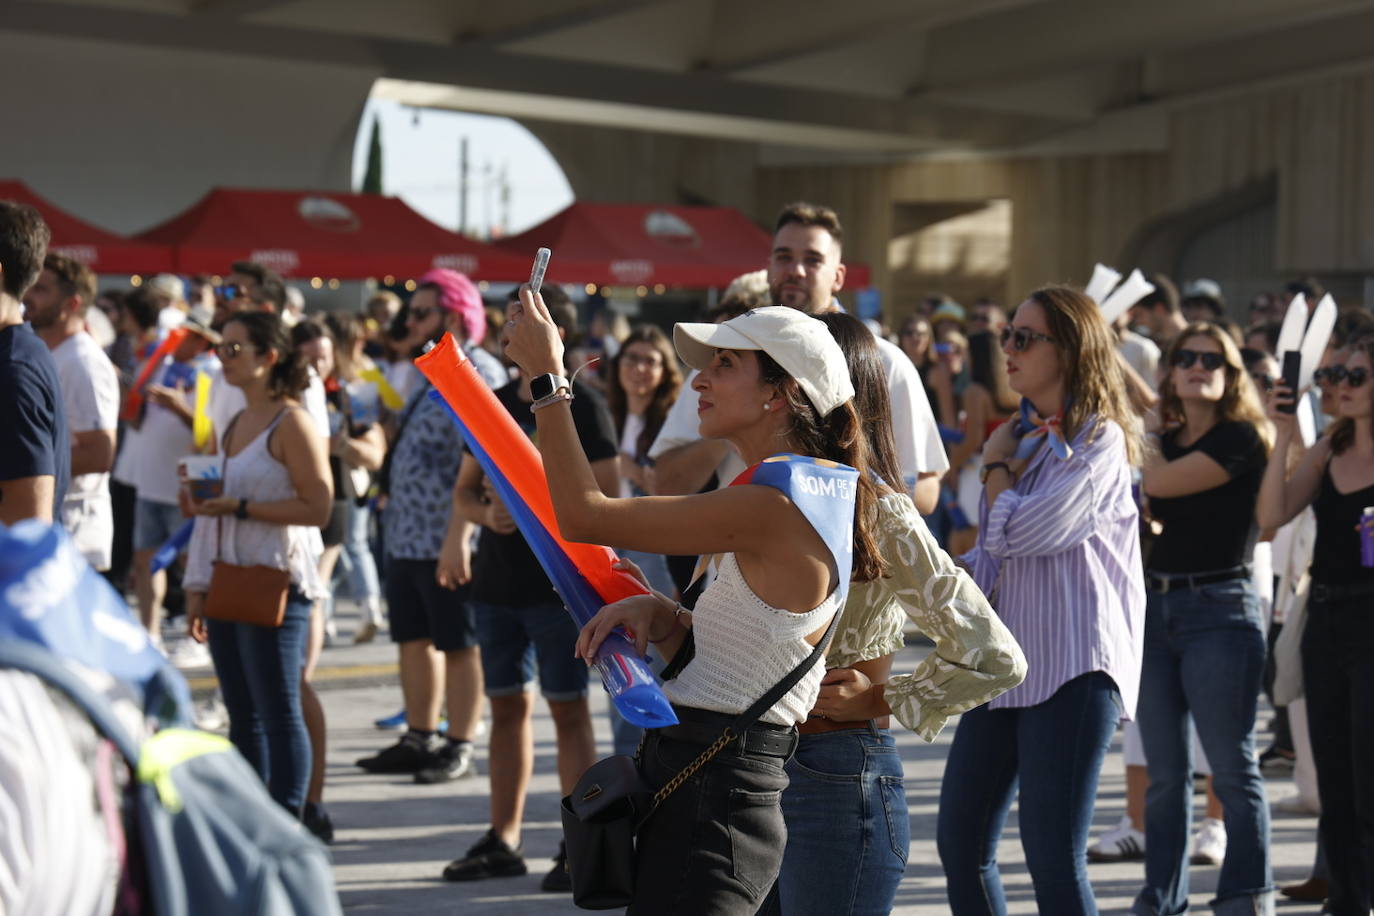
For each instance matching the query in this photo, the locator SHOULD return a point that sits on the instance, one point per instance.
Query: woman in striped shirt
(1059, 556)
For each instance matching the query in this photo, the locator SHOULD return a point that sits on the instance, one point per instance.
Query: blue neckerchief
(1029, 432)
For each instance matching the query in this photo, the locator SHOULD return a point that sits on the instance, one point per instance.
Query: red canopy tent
(323, 234)
(101, 251)
(646, 244)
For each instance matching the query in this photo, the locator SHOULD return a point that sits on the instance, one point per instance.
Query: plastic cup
(203, 475)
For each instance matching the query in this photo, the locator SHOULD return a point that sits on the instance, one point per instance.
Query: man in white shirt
(805, 271)
(56, 306)
(164, 436)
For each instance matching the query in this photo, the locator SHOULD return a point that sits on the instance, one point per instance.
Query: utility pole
(463, 186)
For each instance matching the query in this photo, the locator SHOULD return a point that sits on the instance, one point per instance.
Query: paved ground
(394, 837)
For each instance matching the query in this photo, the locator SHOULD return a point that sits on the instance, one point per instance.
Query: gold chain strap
(690, 769)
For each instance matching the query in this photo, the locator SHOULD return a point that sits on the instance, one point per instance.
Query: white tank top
(253, 474)
(744, 646)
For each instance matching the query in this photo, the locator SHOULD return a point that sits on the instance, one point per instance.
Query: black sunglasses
(1333, 375)
(1020, 338)
(1185, 358)
(420, 314)
(230, 349)
(1263, 382)
(1355, 378)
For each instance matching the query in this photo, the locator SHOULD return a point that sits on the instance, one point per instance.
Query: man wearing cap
(1202, 301)
(805, 271)
(56, 307)
(431, 619)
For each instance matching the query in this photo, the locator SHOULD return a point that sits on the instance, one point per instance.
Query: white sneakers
(1209, 843)
(1123, 843)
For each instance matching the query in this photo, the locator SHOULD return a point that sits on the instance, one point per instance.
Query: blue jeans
(1204, 656)
(1054, 750)
(259, 671)
(357, 553)
(847, 826)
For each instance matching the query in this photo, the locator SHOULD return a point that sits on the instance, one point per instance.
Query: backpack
(203, 835)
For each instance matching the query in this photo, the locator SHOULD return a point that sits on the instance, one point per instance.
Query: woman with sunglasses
(1204, 634)
(1059, 555)
(277, 494)
(1336, 478)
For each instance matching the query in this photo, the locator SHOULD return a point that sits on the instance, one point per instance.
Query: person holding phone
(1336, 478)
(775, 384)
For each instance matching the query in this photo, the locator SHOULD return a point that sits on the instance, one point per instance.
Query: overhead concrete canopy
(868, 76)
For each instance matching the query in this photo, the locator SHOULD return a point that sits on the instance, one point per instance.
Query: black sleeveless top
(1336, 555)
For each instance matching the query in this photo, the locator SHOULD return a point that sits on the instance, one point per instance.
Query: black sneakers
(490, 857)
(558, 880)
(317, 821)
(414, 752)
(449, 762)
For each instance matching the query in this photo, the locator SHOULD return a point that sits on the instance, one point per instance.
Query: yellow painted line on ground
(336, 673)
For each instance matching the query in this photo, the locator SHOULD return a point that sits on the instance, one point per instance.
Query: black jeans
(715, 844)
(1338, 677)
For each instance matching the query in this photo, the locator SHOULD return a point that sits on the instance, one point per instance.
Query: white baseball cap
(800, 344)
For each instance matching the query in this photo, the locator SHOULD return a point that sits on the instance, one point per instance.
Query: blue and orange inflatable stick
(582, 573)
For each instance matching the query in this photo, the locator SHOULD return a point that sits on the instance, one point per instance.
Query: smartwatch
(545, 386)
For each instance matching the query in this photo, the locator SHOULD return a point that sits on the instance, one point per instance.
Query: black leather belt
(1169, 582)
(697, 726)
(1326, 593)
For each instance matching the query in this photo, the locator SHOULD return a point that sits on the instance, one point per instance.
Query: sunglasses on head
(1184, 359)
(1020, 338)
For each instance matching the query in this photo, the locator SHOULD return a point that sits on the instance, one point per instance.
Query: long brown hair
(838, 437)
(869, 376)
(1094, 387)
(1240, 400)
(664, 395)
(1342, 431)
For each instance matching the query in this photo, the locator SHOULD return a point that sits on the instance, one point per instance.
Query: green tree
(372, 179)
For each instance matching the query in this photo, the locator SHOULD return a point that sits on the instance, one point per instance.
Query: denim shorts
(515, 640)
(154, 523)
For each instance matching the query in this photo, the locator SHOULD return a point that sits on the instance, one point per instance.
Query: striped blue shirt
(1062, 550)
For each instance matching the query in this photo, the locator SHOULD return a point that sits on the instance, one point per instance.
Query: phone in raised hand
(541, 264)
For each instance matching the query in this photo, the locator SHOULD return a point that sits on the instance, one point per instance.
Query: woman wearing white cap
(775, 384)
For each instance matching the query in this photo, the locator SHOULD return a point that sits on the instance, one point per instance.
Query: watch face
(542, 386)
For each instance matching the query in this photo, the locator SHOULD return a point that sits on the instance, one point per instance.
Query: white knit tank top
(744, 646)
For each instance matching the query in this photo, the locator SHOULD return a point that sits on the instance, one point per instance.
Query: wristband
(557, 397)
(242, 511)
(990, 467)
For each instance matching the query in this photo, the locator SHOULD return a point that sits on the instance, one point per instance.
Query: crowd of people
(1094, 525)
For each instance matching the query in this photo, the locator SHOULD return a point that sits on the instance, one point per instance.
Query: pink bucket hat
(457, 294)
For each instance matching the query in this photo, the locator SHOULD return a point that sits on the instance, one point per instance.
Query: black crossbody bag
(611, 802)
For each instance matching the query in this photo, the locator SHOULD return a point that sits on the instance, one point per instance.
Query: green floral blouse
(975, 658)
